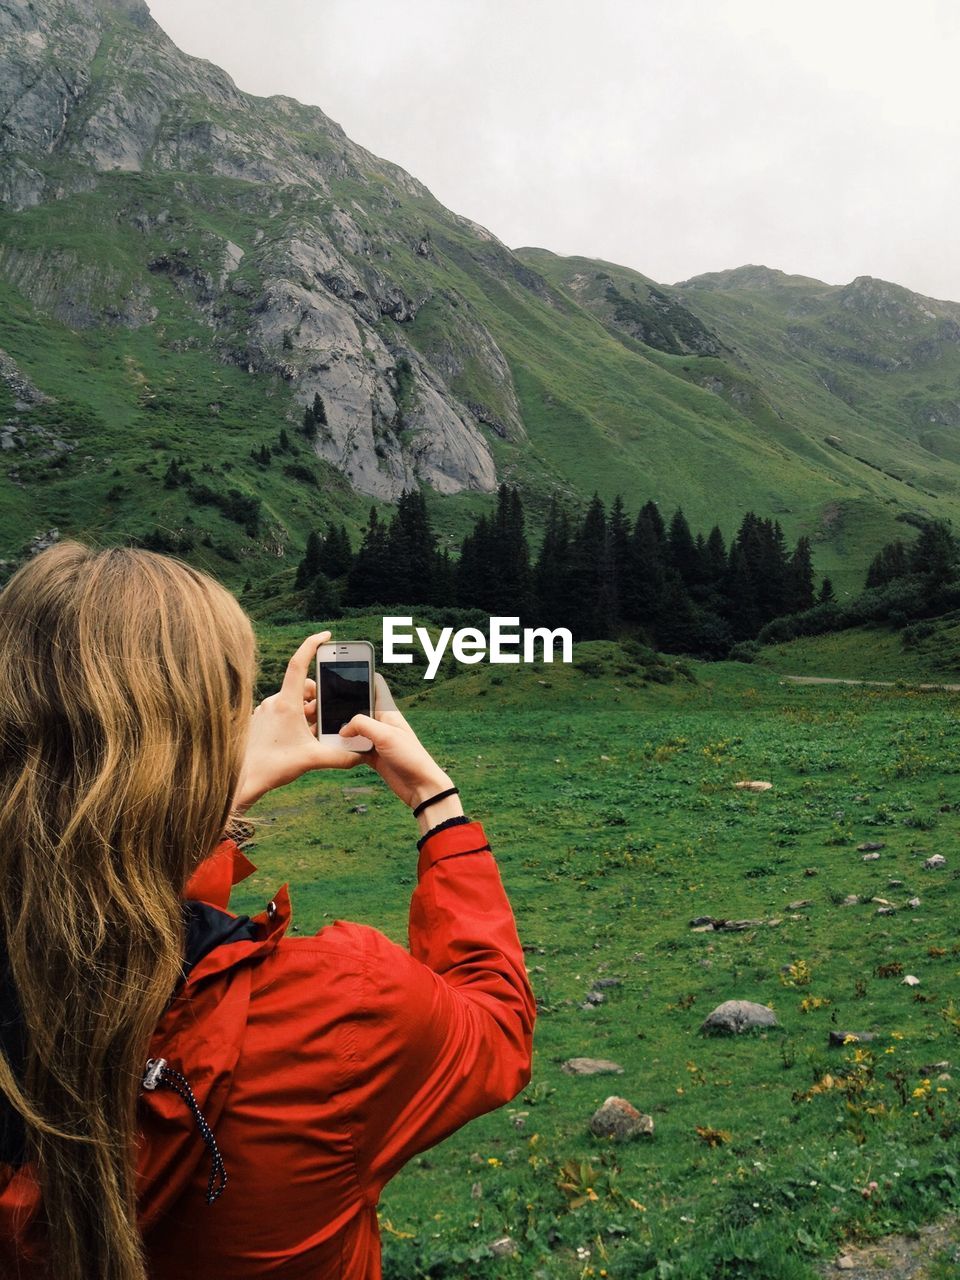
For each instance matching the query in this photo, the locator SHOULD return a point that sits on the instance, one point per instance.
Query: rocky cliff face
(304, 258)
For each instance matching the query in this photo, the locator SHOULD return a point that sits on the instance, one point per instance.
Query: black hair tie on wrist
(441, 795)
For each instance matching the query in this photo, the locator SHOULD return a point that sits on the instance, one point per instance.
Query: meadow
(607, 791)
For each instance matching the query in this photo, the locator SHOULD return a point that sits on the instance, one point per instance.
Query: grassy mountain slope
(861, 382)
(183, 267)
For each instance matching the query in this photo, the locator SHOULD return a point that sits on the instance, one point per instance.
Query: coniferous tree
(370, 577)
(591, 575)
(891, 562)
(651, 511)
(309, 566)
(619, 530)
(715, 561)
(552, 570)
(469, 568)
(641, 591)
(801, 577)
(682, 549)
(412, 550)
(934, 554)
(445, 579)
(322, 600)
(826, 592)
(337, 552)
(742, 607)
(508, 586)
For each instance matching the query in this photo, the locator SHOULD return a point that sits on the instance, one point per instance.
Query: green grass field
(609, 802)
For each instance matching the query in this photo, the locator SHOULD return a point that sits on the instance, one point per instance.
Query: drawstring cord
(158, 1073)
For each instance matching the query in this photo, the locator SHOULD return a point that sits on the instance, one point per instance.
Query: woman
(184, 1092)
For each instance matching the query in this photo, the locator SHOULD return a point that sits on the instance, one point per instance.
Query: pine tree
(309, 566)
(682, 549)
(475, 571)
(801, 577)
(337, 552)
(891, 562)
(641, 588)
(826, 592)
(445, 579)
(552, 570)
(509, 585)
(619, 527)
(742, 608)
(934, 553)
(322, 601)
(715, 561)
(591, 576)
(412, 550)
(370, 577)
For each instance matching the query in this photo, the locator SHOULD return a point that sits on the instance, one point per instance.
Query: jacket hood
(200, 1036)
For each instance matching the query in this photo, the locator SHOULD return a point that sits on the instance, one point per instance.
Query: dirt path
(933, 1252)
(873, 684)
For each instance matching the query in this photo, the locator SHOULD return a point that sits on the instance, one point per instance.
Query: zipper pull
(153, 1072)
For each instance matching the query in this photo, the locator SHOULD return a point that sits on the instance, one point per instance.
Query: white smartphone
(344, 689)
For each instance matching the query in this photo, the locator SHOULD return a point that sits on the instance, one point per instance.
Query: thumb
(366, 727)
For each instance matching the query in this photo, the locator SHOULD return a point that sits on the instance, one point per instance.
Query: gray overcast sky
(673, 136)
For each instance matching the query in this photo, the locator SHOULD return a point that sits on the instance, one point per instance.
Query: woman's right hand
(398, 755)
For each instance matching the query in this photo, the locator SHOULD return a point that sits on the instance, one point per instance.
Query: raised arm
(445, 1030)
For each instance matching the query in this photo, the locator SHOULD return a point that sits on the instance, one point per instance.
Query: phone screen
(344, 691)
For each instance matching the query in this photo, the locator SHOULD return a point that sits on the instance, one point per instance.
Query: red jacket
(321, 1064)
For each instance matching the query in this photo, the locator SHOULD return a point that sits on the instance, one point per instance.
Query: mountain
(185, 268)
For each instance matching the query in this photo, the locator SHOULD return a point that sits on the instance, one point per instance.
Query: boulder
(591, 1067)
(620, 1120)
(734, 1016)
(838, 1038)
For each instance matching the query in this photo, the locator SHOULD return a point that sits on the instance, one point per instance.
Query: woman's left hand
(283, 742)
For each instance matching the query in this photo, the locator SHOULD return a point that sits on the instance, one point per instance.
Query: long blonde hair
(126, 684)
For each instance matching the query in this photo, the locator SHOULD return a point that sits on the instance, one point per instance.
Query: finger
(330, 757)
(385, 705)
(361, 726)
(296, 674)
(309, 689)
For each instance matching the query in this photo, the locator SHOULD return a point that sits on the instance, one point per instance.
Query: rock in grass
(839, 1038)
(913, 902)
(850, 900)
(870, 846)
(800, 904)
(620, 1120)
(591, 1067)
(753, 786)
(871, 857)
(935, 863)
(910, 981)
(505, 1247)
(734, 1016)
